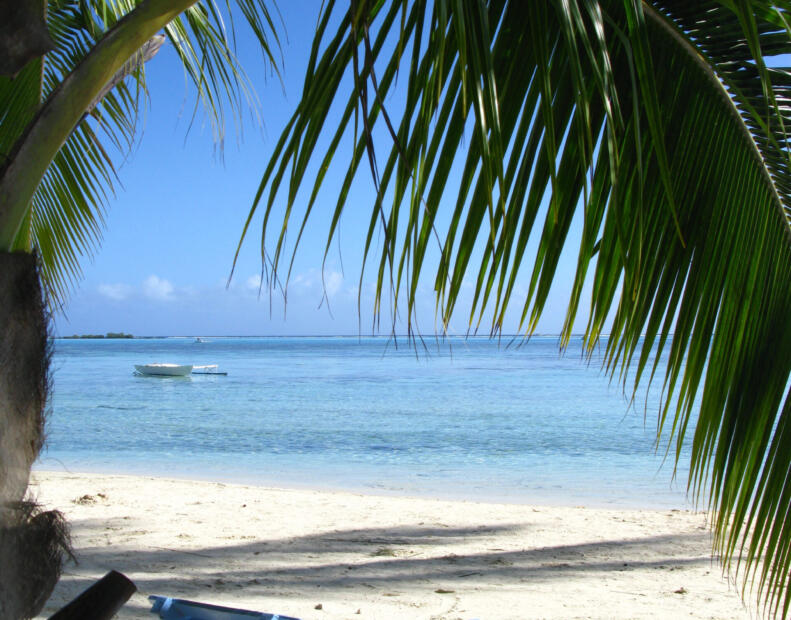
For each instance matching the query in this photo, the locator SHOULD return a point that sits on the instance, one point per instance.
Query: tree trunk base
(32, 543)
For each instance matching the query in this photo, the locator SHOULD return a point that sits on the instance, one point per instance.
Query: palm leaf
(662, 127)
(66, 216)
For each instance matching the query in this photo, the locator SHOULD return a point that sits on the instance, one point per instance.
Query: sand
(323, 554)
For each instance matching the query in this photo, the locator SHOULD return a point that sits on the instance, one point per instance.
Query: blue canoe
(179, 609)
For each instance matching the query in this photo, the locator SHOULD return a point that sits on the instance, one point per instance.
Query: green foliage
(661, 126)
(66, 215)
(118, 335)
(96, 336)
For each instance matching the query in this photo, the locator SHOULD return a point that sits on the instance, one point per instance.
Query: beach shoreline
(560, 497)
(330, 554)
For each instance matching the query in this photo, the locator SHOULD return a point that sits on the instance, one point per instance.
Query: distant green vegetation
(107, 335)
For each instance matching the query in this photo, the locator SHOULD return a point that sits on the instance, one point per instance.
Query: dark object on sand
(101, 601)
(179, 609)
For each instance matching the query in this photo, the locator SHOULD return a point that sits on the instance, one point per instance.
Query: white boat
(164, 370)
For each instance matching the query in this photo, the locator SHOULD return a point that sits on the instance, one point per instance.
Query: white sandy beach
(320, 554)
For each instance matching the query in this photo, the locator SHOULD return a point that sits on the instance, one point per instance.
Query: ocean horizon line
(347, 336)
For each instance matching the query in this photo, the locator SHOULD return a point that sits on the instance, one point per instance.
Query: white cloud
(157, 288)
(303, 281)
(333, 282)
(253, 283)
(116, 292)
(313, 282)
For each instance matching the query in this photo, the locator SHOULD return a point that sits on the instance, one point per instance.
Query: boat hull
(164, 370)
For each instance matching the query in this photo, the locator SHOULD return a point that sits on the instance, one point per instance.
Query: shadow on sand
(374, 560)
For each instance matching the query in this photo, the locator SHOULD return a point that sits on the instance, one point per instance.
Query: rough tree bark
(23, 34)
(32, 542)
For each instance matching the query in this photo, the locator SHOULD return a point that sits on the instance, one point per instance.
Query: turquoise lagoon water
(469, 419)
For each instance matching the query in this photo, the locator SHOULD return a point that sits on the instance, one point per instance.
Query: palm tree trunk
(31, 542)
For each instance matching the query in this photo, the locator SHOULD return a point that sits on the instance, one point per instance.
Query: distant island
(107, 335)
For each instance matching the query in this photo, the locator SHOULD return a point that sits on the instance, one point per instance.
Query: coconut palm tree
(661, 125)
(72, 84)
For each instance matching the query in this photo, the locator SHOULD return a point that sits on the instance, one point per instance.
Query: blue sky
(173, 226)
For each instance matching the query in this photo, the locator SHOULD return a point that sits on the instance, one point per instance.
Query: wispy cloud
(116, 292)
(333, 282)
(304, 281)
(253, 283)
(155, 287)
(314, 282)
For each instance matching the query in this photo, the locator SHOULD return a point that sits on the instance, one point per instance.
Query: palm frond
(663, 128)
(67, 210)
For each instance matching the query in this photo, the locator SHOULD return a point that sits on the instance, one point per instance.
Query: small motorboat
(164, 370)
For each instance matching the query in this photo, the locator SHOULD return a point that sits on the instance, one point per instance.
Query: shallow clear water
(469, 419)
